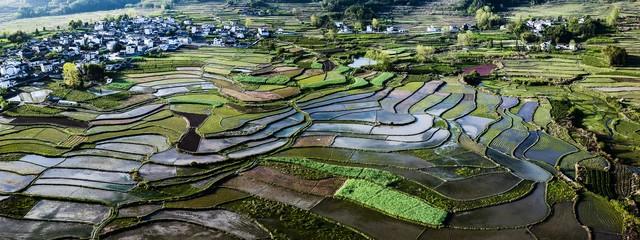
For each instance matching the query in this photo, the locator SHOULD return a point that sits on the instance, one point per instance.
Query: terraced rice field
(542, 71)
(197, 158)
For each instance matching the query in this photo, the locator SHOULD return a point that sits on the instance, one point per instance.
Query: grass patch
(382, 78)
(277, 80)
(297, 170)
(374, 175)
(122, 85)
(391, 202)
(110, 101)
(358, 83)
(559, 191)
(17, 206)
(33, 111)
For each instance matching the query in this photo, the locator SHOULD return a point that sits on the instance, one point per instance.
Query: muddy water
(191, 140)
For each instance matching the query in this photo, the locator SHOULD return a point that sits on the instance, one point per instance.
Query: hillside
(13, 9)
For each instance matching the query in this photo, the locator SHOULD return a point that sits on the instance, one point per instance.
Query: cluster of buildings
(450, 28)
(537, 27)
(113, 43)
(344, 28)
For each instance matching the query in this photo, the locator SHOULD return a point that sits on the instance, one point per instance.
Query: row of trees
(358, 25)
(17, 37)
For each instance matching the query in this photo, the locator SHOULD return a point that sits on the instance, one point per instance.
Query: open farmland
(185, 148)
(315, 132)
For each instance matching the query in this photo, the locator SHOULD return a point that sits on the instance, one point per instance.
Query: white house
(185, 40)
(148, 42)
(218, 42)
(369, 29)
(9, 70)
(98, 26)
(391, 29)
(130, 49)
(433, 29)
(454, 29)
(7, 83)
(263, 32)
(111, 45)
(545, 46)
(45, 68)
(538, 26)
(344, 29)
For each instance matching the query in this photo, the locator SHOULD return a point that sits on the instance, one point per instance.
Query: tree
(3, 103)
(358, 26)
(381, 57)
(465, 39)
(558, 34)
(518, 27)
(355, 12)
(472, 78)
(248, 22)
(315, 21)
(423, 53)
(93, 72)
(614, 55)
(18, 37)
(52, 55)
(75, 24)
(485, 18)
(529, 37)
(612, 18)
(331, 34)
(71, 75)
(375, 23)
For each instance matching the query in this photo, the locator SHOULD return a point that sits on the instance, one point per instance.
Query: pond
(362, 62)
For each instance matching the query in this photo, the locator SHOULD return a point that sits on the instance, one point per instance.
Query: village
(113, 44)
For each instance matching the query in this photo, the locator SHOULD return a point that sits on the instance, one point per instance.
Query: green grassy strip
(207, 99)
(391, 202)
(331, 78)
(278, 79)
(374, 175)
(382, 78)
(358, 83)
